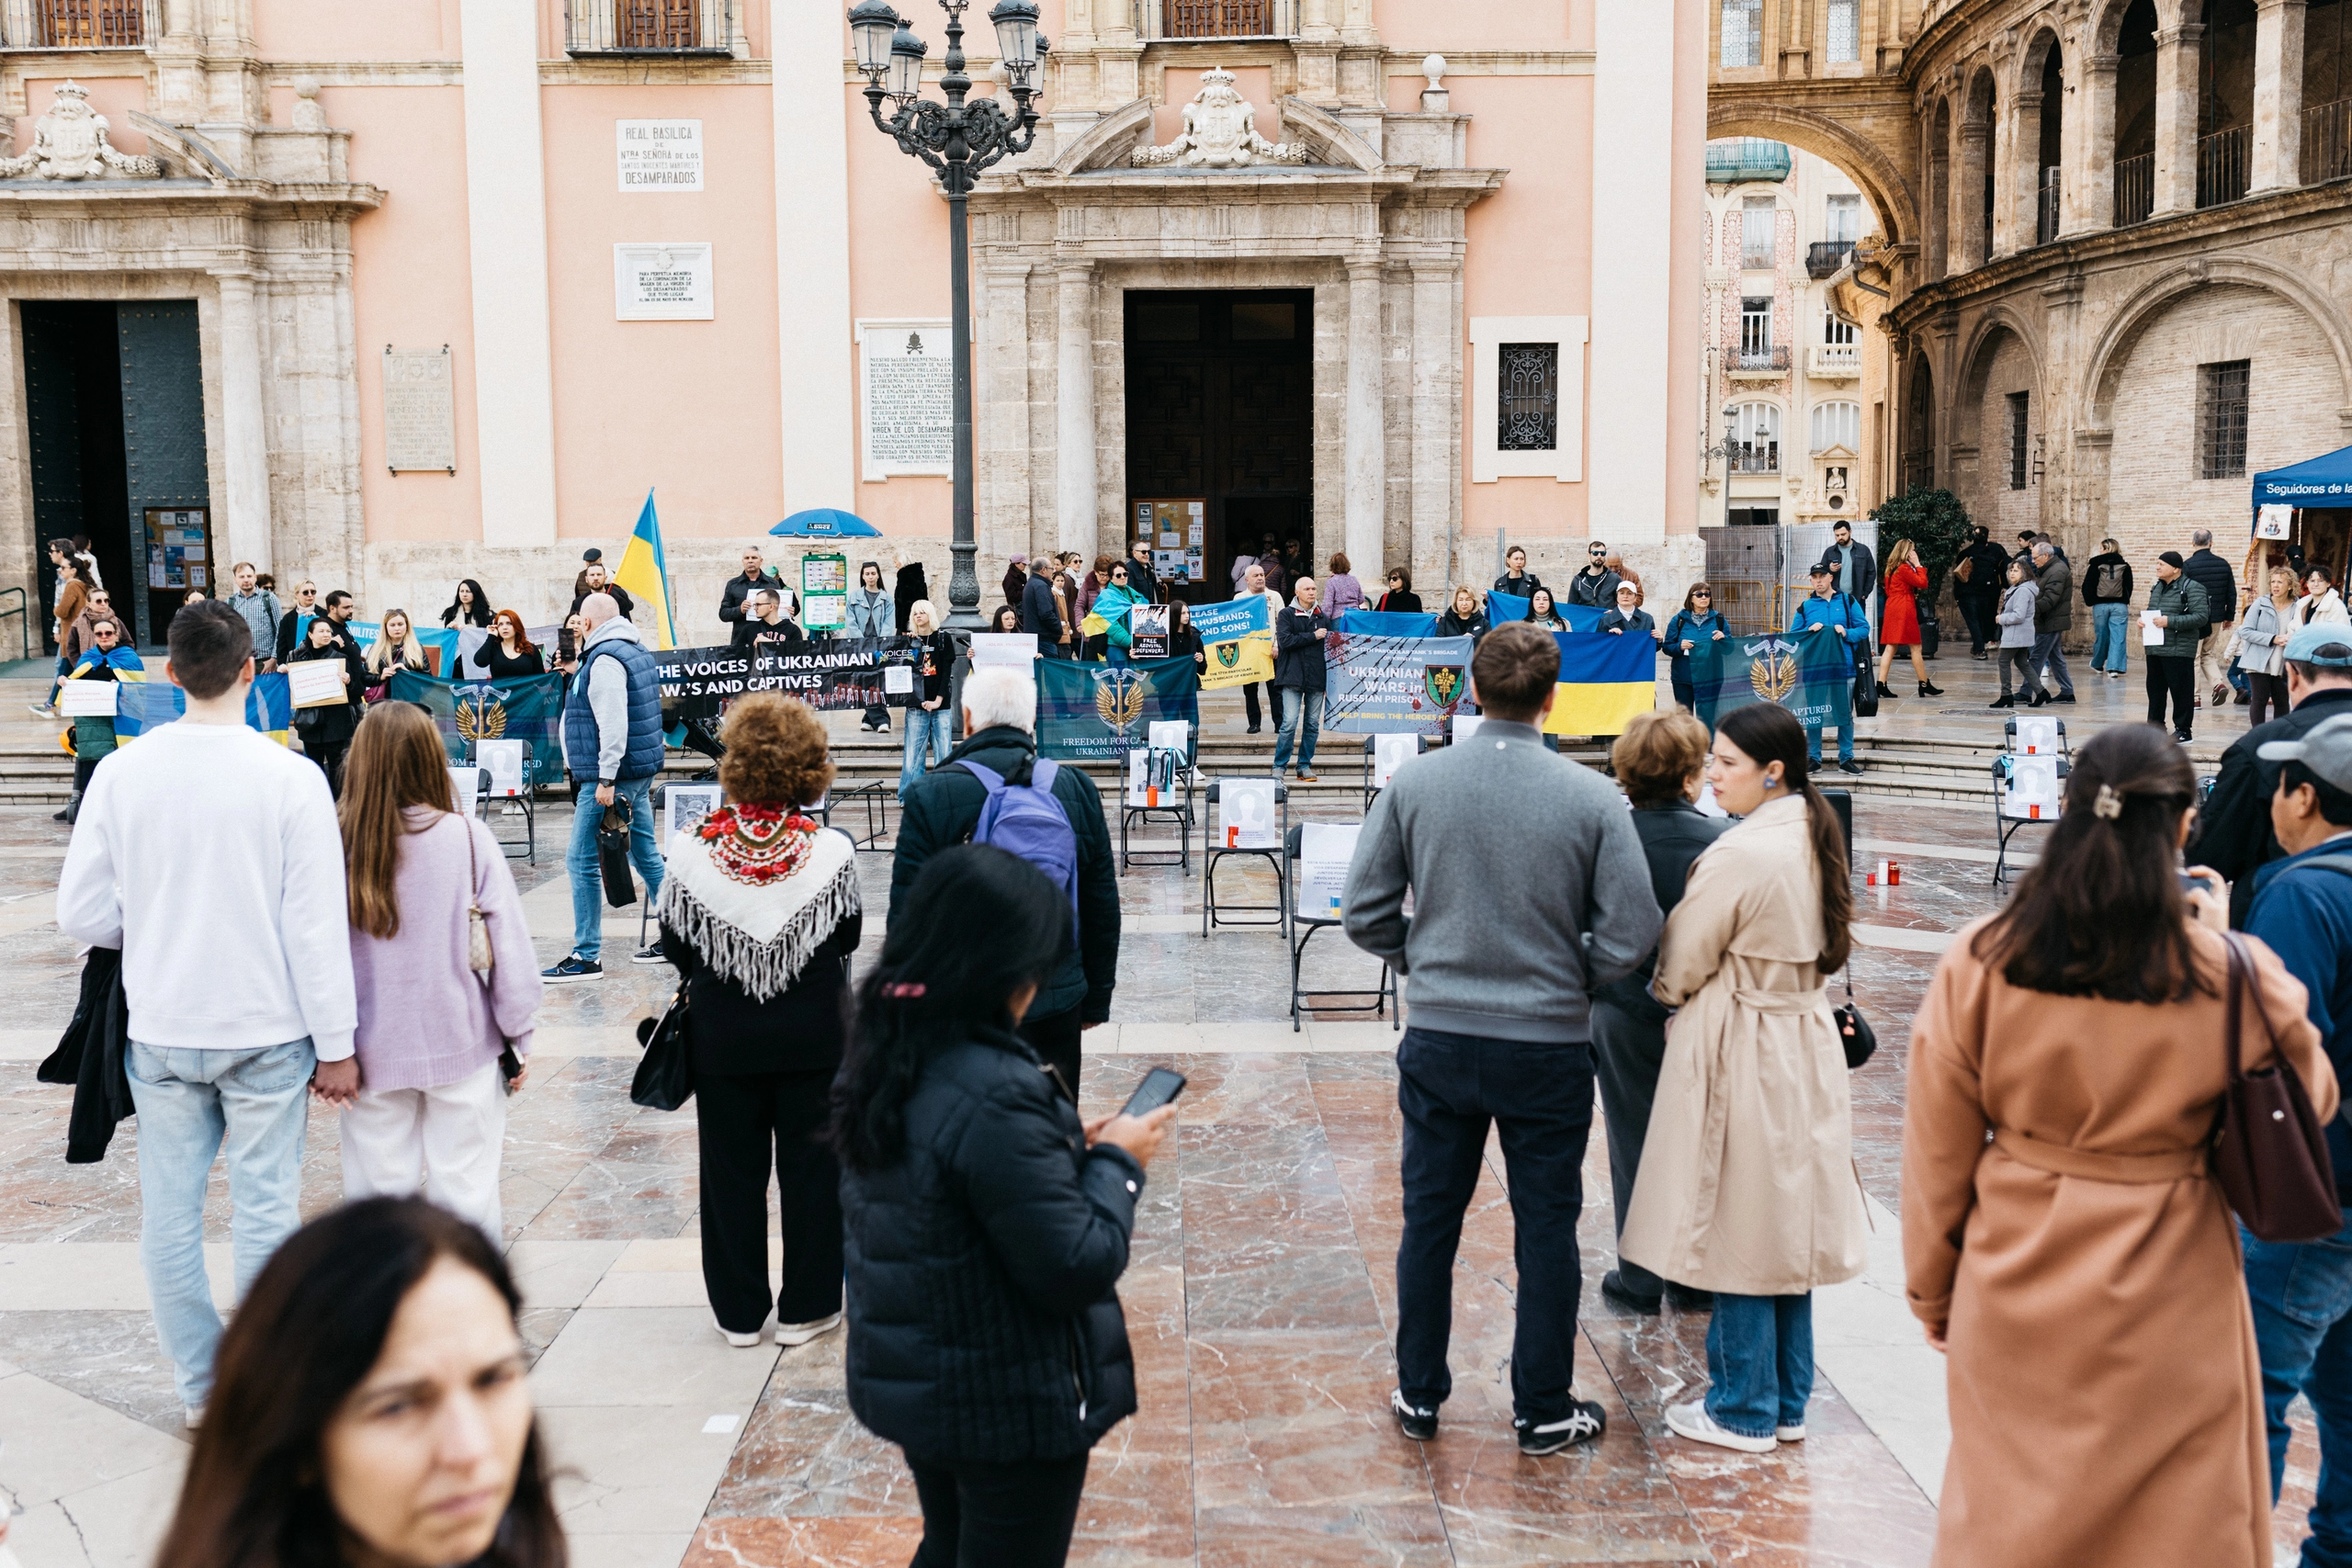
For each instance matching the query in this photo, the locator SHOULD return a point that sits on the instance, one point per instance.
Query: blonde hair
(1897, 553)
(1659, 754)
(411, 652)
(923, 607)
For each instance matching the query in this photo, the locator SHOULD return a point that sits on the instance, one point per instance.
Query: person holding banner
(1541, 612)
(1522, 583)
(1463, 617)
(1299, 635)
(325, 729)
(1117, 596)
(1253, 586)
(1697, 621)
(1627, 615)
(1827, 611)
(1400, 599)
(926, 711)
(93, 735)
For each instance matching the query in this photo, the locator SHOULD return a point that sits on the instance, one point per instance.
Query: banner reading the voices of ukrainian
(1098, 713)
(834, 675)
(1807, 675)
(1605, 679)
(528, 708)
(1390, 685)
(1238, 636)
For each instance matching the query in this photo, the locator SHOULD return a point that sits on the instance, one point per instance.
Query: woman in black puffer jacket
(986, 1227)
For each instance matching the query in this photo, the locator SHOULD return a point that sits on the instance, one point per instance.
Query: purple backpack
(1026, 820)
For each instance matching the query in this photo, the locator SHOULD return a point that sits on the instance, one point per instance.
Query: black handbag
(1865, 690)
(612, 853)
(664, 1081)
(1854, 1030)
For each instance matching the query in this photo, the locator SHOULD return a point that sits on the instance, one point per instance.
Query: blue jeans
(2303, 1326)
(2048, 654)
(1298, 705)
(587, 882)
(925, 728)
(1538, 1097)
(1759, 1362)
(191, 1105)
(2109, 624)
(1841, 714)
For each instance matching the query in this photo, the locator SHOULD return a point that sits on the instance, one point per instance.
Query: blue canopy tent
(825, 523)
(2321, 481)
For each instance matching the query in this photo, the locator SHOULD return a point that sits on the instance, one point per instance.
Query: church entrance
(1220, 414)
(114, 409)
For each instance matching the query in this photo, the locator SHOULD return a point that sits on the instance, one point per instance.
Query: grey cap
(2326, 749)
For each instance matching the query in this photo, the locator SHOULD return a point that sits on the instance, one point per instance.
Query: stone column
(1966, 244)
(245, 427)
(2091, 151)
(2017, 222)
(2178, 52)
(1364, 462)
(1074, 456)
(2277, 97)
(1435, 405)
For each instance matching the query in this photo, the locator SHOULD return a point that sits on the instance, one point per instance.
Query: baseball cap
(2326, 644)
(2326, 749)
(1823, 568)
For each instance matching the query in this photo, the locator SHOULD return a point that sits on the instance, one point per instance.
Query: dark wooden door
(660, 24)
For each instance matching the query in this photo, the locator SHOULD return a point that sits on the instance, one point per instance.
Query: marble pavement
(1259, 1297)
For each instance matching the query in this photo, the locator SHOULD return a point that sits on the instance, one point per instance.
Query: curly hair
(776, 752)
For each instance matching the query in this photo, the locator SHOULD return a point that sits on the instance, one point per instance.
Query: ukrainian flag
(645, 572)
(1604, 682)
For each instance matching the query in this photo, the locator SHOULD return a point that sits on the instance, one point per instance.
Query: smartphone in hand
(1158, 1087)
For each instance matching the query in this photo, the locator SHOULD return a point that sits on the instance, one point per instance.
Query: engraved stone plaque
(662, 283)
(659, 154)
(420, 417)
(908, 378)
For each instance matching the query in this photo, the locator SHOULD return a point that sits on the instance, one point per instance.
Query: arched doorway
(2044, 140)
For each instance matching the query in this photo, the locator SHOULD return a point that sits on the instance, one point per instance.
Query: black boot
(2004, 701)
(1929, 689)
(2040, 700)
(1884, 690)
(72, 810)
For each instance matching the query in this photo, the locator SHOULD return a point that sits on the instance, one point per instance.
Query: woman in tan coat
(1747, 1186)
(2081, 1269)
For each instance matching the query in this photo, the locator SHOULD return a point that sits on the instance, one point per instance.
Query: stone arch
(1919, 449)
(1978, 454)
(1976, 128)
(1864, 162)
(2113, 350)
(2038, 96)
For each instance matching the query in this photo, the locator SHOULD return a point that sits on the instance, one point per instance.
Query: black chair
(1304, 928)
(875, 795)
(530, 843)
(2005, 822)
(1179, 813)
(1214, 914)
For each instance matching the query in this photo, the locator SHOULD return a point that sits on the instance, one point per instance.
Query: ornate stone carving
(70, 143)
(1220, 133)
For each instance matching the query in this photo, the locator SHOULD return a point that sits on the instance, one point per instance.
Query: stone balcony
(1833, 362)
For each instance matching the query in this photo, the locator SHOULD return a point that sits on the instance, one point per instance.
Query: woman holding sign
(927, 717)
(324, 727)
(1112, 604)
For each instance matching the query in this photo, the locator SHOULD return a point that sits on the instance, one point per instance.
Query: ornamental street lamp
(958, 139)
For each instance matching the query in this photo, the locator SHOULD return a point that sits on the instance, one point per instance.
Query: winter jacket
(1451, 625)
(1672, 833)
(1865, 569)
(2054, 604)
(1394, 603)
(81, 633)
(1840, 611)
(1638, 622)
(980, 1266)
(331, 723)
(1142, 579)
(1524, 585)
(2262, 640)
(738, 588)
(1039, 615)
(2233, 834)
(1597, 590)
(905, 589)
(611, 727)
(2323, 609)
(1298, 653)
(2106, 580)
(1986, 578)
(2182, 604)
(71, 599)
(1684, 626)
(92, 1057)
(2016, 616)
(2213, 573)
(620, 596)
(944, 808)
(871, 613)
(1113, 604)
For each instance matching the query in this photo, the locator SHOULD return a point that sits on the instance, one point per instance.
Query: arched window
(1756, 439)
(1836, 424)
(1743, 33)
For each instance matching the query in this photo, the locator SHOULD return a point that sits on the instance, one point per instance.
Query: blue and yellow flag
(645, 572)
(1805, 674)
(143, 705)
(1604, 680)
(1502, 606)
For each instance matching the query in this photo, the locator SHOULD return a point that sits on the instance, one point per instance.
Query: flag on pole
(645, 572)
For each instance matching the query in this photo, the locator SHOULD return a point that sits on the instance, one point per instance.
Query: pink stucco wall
(319, 29)
(897, 267)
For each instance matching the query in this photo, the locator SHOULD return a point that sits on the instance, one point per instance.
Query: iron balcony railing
(1760, 359)
(1824, 257)
(77, 24)
(1755, 456)
(2049, 211)
(648, 27)
(2327, 142)
(2135, 189)
(1741, 159)
(2221, 164)
(1160, 19)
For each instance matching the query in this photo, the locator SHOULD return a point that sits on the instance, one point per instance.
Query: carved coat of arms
(70, 143)
(1220, 133)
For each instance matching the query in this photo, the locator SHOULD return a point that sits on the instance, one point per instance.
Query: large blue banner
(1376, 623)
(528, 708)
(1501, 607)
(1805, 674)
(1392, 686)
(1098, 713)
(1238, 638)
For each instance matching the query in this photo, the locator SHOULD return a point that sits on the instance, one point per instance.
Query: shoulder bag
(1865, 677)
(2269, 1150)
(482, 958)
(664, 1079)
(1854, 1030)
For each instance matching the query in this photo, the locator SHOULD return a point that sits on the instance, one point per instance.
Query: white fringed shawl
(760, 935)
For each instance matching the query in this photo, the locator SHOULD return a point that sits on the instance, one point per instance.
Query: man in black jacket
(754, 574)
(1980, 593)
(763, 620)
(2213, 573)
(1039, 616)
(944, 808)
(1596, 585)
(1299, 634)
(2233, 834)
(1140, 576)
(1856, 567)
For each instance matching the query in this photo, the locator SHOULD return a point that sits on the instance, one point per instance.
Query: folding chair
(513, 760)
(875, 795)
(1372, 774)
(2010, 815)
(1179, 811)
(1214, 914)
(1304, 927)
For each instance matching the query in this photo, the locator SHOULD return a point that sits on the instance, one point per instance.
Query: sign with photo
(1148, 631)
(1325, 852)
(683, 808)
(1246, 819)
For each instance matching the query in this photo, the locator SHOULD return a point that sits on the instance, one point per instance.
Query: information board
(824, 593)
(419, 409)
(663, 283)
(659, 154)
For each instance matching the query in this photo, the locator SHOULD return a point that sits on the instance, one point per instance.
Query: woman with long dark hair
(371, 1409)
(1746, 1187)
(986, 1228)
(1699, 620)
(469, 608)
(2065, 1243)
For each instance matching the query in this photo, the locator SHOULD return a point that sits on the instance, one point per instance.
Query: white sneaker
(791, 1334)
(192, 1416)
(1790, 1434)
(1692, 1421)
(740, 1342)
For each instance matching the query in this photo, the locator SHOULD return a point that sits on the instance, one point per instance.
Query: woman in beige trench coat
(1748, 1186)
(2081, 1269)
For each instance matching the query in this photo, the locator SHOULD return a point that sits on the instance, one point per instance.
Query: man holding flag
(1827, 611)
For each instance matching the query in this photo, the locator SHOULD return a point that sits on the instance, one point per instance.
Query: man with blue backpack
(995, 789)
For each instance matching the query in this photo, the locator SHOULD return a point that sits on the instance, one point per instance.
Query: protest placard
(1325, 852)
(316, 682)
(88, 699)
(1238, 636)
(1388, 684)
(1246, 819)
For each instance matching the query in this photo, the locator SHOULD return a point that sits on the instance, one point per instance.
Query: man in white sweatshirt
(209, 855)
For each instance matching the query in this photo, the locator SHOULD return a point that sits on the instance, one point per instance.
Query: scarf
(756, 890)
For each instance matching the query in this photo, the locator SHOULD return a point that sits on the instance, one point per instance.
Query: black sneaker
(1412, 1420)
(1584, 1423)
(1849, 767)
(650, 953)
(1613, 1288)
(2181, 736)
(1683, 1298)
(2064, 697)
(574, 967)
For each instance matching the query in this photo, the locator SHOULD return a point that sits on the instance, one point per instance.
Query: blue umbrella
(824, 523)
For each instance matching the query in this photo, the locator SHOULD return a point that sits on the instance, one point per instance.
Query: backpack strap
(990, 780)
(1042, 772)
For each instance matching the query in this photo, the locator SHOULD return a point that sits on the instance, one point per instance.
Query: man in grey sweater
(1530, 892)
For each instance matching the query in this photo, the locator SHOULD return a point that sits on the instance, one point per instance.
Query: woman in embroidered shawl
(759, 913)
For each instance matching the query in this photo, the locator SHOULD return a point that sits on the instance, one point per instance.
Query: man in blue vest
(612, 738)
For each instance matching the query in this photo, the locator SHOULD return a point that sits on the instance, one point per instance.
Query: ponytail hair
(981, 923)
(2101, 913)
(1768, 733)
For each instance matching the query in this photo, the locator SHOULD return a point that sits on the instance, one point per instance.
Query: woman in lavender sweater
(431, 1114)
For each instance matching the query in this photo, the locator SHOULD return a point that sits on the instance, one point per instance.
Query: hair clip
(2109, 804)
(903, 988)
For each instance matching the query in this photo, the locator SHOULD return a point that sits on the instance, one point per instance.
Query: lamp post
(958, 139)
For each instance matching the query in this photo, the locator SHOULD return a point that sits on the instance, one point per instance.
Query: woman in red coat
(1899, 624)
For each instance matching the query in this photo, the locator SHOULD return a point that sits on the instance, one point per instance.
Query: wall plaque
(659, 154)
(662, 283)
(908, 372)
(419, 409)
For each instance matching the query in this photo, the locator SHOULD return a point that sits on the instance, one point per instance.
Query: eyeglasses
(1598, 550)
